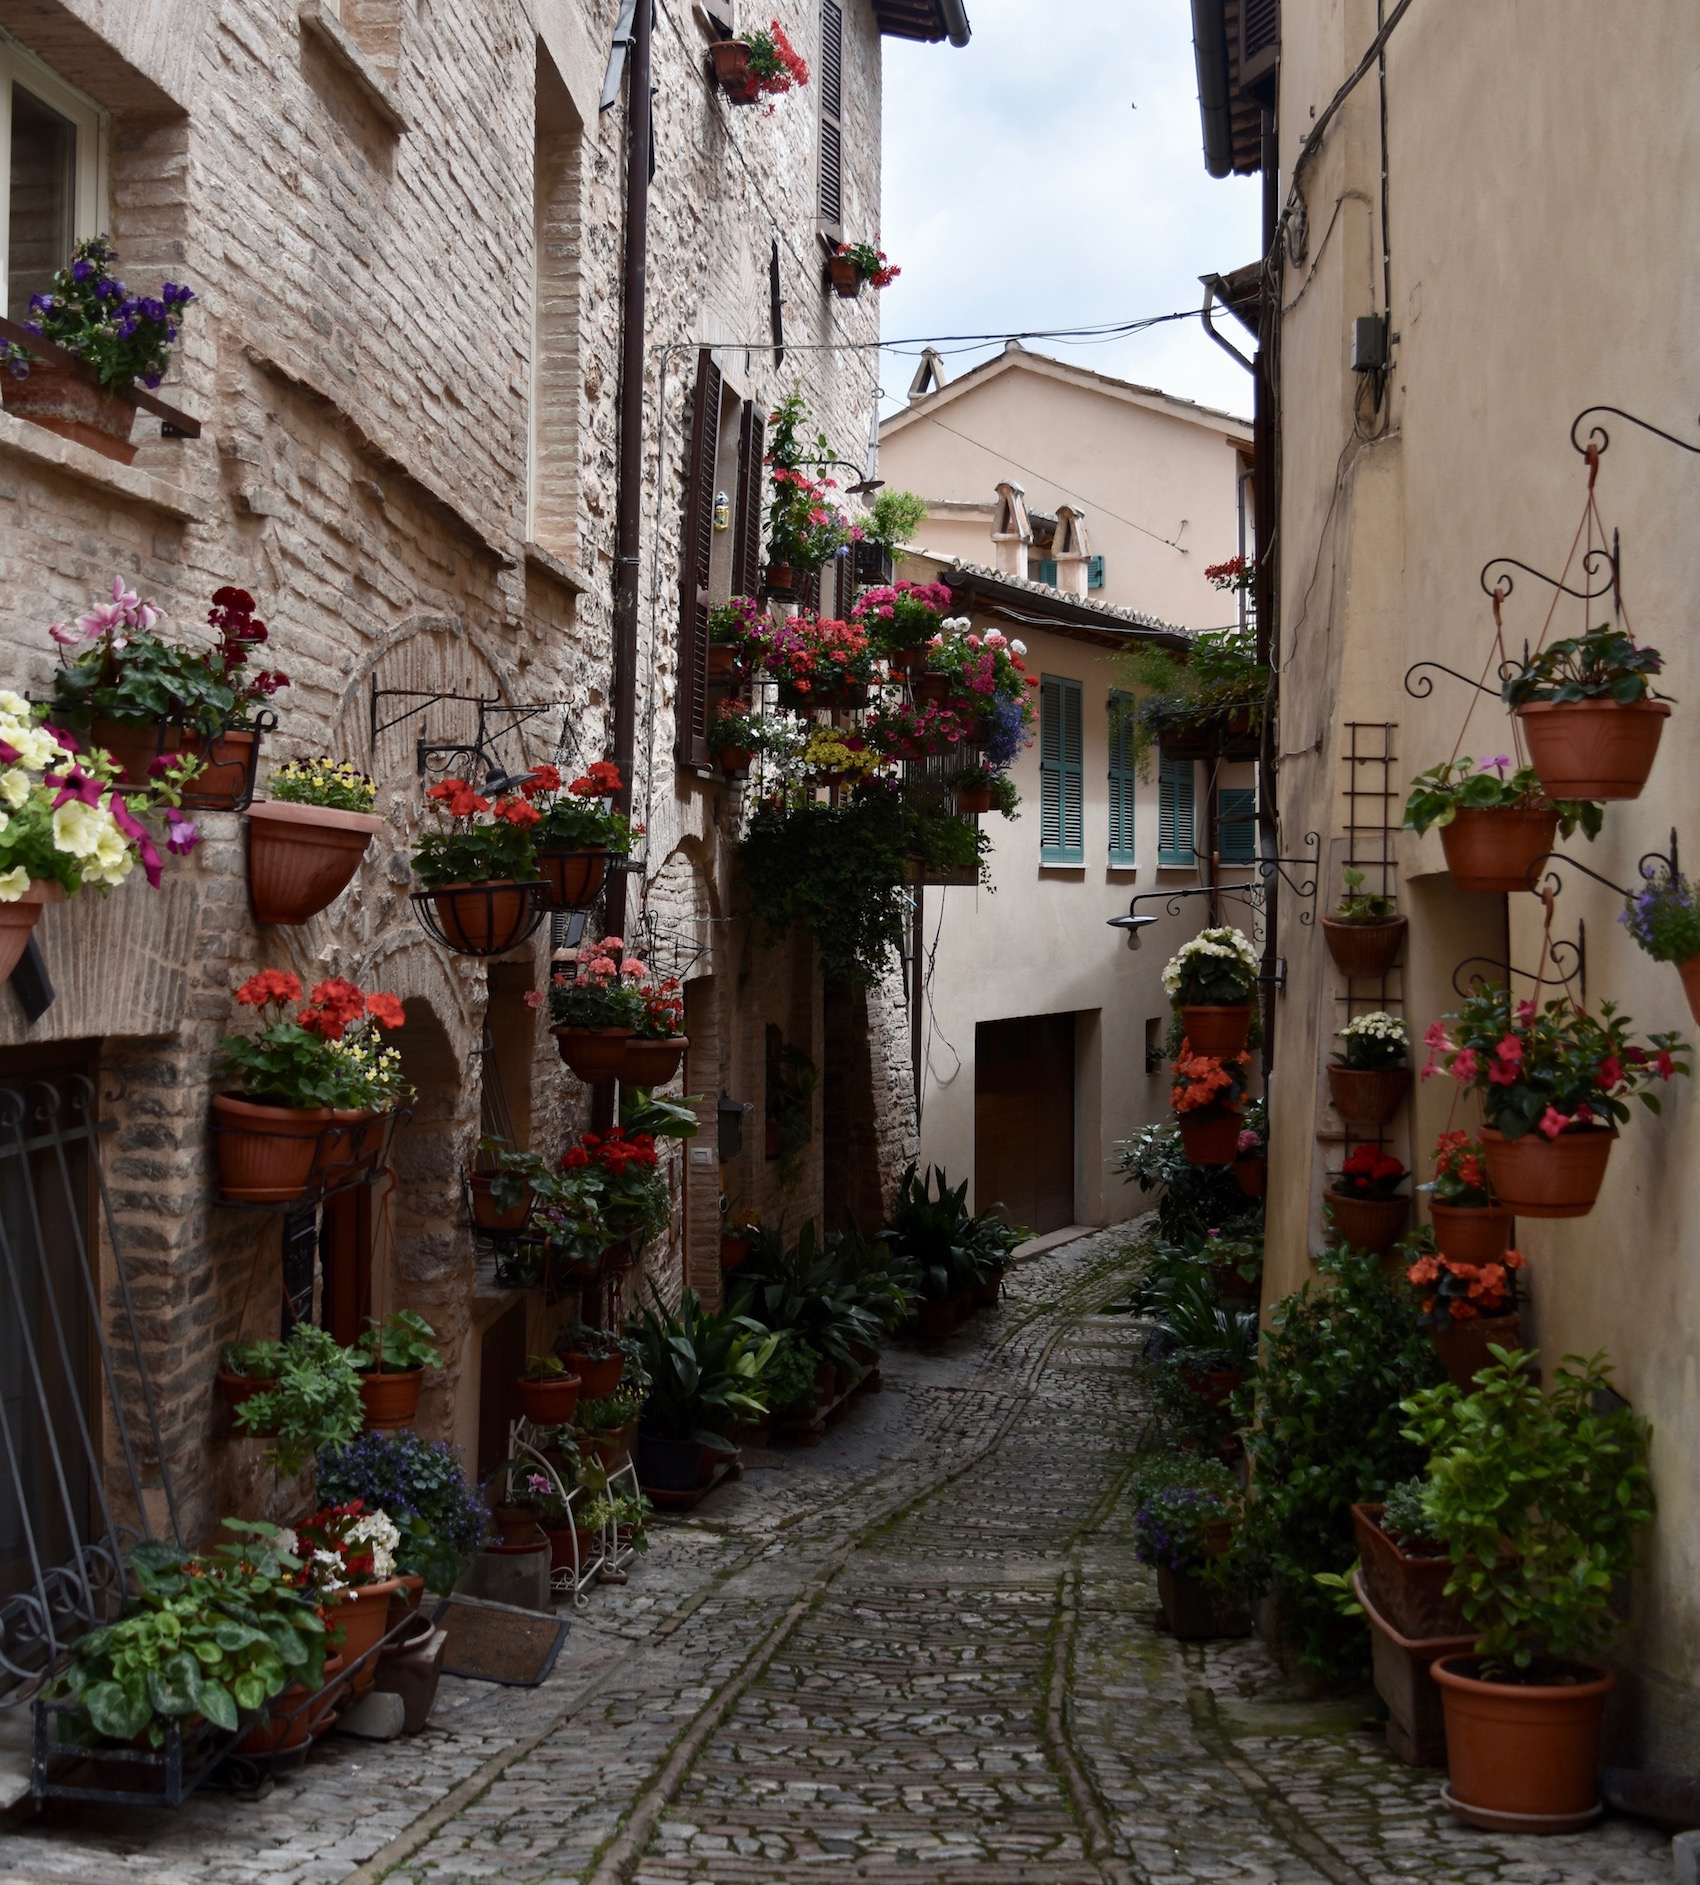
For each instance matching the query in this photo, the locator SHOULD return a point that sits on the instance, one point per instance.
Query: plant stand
(606, 1562)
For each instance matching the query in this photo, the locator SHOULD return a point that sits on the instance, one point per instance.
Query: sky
(1051, 174)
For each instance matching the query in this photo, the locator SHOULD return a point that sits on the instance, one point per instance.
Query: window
(1176, 848)
(1094, 572)
(1122, 780)
(1236, 826)
(690, 701)
(829, 208)
(1043, 570)
(552, 487)
(747, 501)
(1061, 837)
(52, 155)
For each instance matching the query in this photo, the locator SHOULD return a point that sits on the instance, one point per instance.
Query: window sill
(1076, 868)
(1122, 870)
(35, 445)
(569, 575)
(333, 36)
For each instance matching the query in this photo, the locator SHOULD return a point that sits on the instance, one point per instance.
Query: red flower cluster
(326, 1530)
(457, 798)
(1476, 1289)
(267, 986)
(1369, 1173)
(793, 67)
(332, 1007)
(519, 812)
(232, 614)
(614, 1152)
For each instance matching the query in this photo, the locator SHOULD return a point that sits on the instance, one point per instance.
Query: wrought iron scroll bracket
(1555, 883)
(1597, 559)
(496, 719)
(1302, 888)
(1598, 438)
(1420, 687)
(1562, 953)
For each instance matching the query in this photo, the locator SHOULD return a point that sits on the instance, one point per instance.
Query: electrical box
(1369, 343)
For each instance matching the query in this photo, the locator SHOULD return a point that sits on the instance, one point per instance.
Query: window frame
(94, 130)
(1057, 771)
(1123, 774)
(1171, 774)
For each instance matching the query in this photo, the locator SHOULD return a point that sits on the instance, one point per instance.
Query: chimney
(1011, 531)
(1071, 549)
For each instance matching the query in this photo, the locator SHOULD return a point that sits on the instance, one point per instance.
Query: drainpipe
(628, 510)
(1266, 498)
(955, 16)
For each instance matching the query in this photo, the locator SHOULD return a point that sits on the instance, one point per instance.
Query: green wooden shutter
(1094, 572)
(1121, 781)
(1044, 570)
(1236, 826)
(1176, 845)
(1062, 837)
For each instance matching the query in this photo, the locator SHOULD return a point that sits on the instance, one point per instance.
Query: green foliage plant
(951, 1248)
(423, 1488)
(313, 1399)
(1603, 664)
(1193, 1199)
(403, 1341)
(1192, 690)
(1438, 795)
(705, 1369)
(789, 1377)
(1537, 1499)
(1358, 905)
(1326, 1431)
(893, 519)
(800, 1289)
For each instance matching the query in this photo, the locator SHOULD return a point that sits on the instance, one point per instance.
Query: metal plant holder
(491, 927)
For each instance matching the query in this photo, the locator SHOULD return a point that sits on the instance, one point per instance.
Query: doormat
(492, 1643)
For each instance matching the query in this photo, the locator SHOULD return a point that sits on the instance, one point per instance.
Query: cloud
(1022, 190)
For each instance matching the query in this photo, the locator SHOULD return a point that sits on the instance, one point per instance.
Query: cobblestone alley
(924, 1654)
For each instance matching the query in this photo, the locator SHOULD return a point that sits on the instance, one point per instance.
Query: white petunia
(14, 704)
(78, 828)
(13, 884)
(15, 787)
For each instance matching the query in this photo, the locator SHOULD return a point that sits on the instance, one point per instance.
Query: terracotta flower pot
(1463, 1346)
(1197, 1612)
(1220, 1031)
(354, 1148)
(1496, 850)
(598, 1376)
(1472, 1233)
(613, 1449)
(734, 1252)
(286, 1724)
(973, 801)
(266, 1154)
(903, 660)
(929, 686)
(988, 1292)
(60, 400)
(732, 71)
(845, 276)
(1690, 973)
(1252, 1175)
(363, 1615)
(302, 857)
(1593, 749)
(485, 919)
(238, 1388)
(1416, 1725)
(1540, 1177)
(594, 1054)
(1408, 1588)
(1211, 1135)
(781, 578)
(1368, 1096)
(722, 661)
(1373, 1224)
(18, 920)
(734, 761)
(410, 1592)
(1522, 1757)
(227, 761)
(652, 1060)
(487, 1214)
(1364, 951)
(551, 1402)
(136, 744)
(391, 1399)
(516, 1526)
(561, 1542)
(574, 879)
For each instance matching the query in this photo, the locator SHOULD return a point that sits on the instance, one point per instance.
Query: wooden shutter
(1176, 844)
(1045, 571)
(696, 547)
(830, 205)
(1260, 43)
(1061, 782)
(746, 520)
(1094, 572)
(1122, 779)
(1236, 825)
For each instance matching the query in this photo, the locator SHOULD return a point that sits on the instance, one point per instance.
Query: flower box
(302, 857)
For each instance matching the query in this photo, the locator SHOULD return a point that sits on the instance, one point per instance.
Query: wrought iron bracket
(1646, 866)
(1305, 890)
(1598, 438)
(1593, 562)
(1562, 951)
(497, 719)
(1421, 687)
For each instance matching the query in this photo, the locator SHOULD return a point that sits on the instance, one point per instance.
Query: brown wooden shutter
(1260, 44)
(830, 208)
(746, 543)
(691, 705)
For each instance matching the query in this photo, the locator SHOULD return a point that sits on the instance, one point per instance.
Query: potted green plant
(977, 790)
(1211, 982)
(1184, 1513)
(303, 1090)
(607, 1426)
(1209, 1345)
(392, 1356)
(480, 879)
(759, 65)
(1469, 1221)
(705, 1370)
(213, 1637)
(806, 526)
(1469, 1308)
(658, 1041)
(802, 1288)
(734, 736)
(1556, 1484)
(851, 264)
(548, 1391)
(1554, 1085)
(597, 1357)
(505, 1189)
(1586, 708)
(1251, 1151)
(577, 833)
(301, 1394)
(119, 338)
(1664, 920)
(1363, 1200)
(596, 1008)
(1495, 821)
(307, 837)
(1203, 704)
(1369, 1079)
(738, 1231)
(422, 1486)
(736, 632)
(1365, 932)
(1207, 1093)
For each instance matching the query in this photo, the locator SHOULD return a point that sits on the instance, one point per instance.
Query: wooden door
(1024, 1120)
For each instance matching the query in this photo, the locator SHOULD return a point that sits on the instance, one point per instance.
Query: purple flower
(183, 835)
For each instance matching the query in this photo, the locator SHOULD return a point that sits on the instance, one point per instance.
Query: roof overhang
(1038, 605)
(1232, 119)
(929, 20)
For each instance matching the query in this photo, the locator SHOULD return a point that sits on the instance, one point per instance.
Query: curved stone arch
(684, 896)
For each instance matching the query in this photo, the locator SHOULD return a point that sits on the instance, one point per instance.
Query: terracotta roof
(1043, 605)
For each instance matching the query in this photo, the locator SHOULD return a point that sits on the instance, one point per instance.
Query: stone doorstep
(1052, 1240)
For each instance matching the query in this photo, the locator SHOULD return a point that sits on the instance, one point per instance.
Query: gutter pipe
(1210, 51)
(955, 16)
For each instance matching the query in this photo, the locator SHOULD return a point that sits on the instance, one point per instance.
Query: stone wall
(410, 461)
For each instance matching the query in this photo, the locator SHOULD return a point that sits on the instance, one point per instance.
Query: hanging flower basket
(1535, 1176)
(1252, 1176)
(733, 72)
(846, 277)
(391, 1399)
(18, 920)
(1593, 749)
(1367, 1096)
(136, 744)
(267, 1154)
(652, 1060)
(488, 1215)
(722, 661)
(225, 782)
(1471, 1233)
(734, 761)
(1218, 1031)
(780, 579)
(1495, 850)
(573, 880)
(1365, 951)
(594, 1054)
(302, 857)
(1373, 1224)
(483, 919)
(972, 801)
(1211, 1135)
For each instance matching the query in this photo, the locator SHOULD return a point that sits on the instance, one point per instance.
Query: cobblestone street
(924, 1654)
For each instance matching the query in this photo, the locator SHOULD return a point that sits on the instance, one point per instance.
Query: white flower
(1018, 647)
(327, 1572)
(35, 749)
(15, 787)
(286, 1540)
(78, 828)
(377, 1530)
(14, 704)
(13, 884)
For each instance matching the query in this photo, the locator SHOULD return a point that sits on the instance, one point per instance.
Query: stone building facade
(405, 225)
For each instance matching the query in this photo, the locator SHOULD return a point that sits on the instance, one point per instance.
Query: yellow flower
(14, 787)
(77, 828)
(13, 884)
